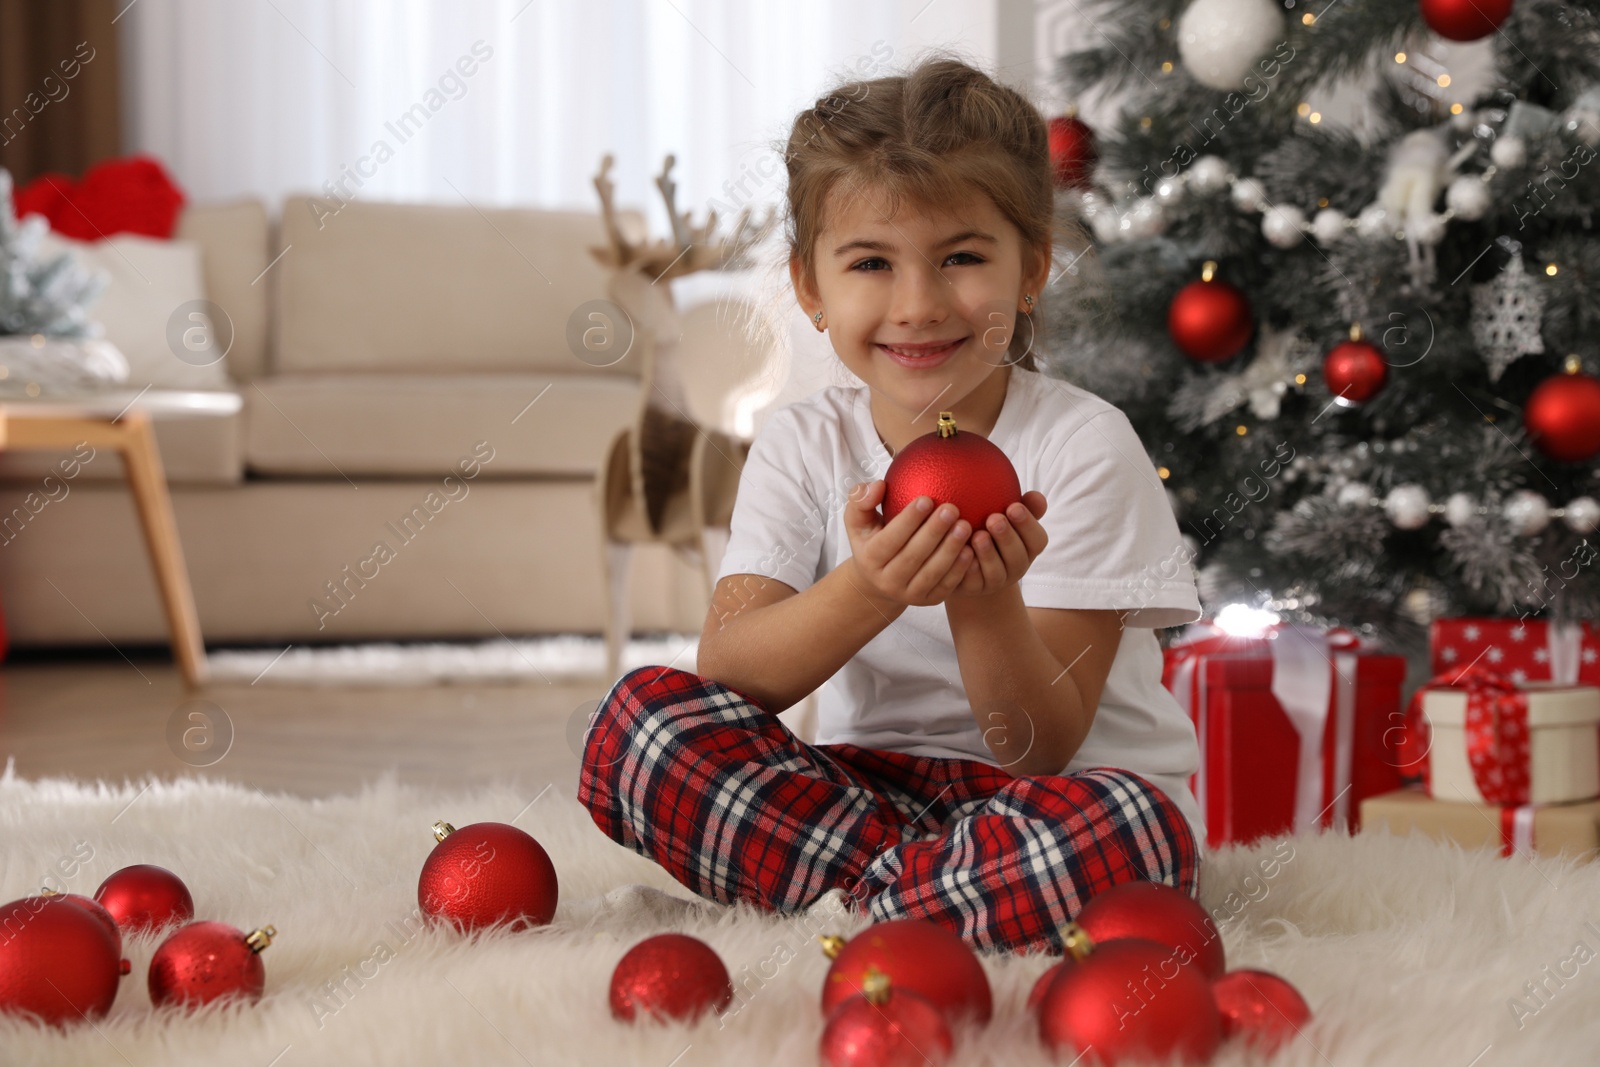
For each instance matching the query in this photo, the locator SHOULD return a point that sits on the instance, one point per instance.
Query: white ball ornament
(1427, 229)
(1248, 194)
(1169, 191)
(1468, 197)
(1353, 494)
(1106, 225)
(1509, 152)
(1329, 225)
(1582, 515)
(1220, 40)
(1283, 225)
(1460, 509)
(1373, 221)
(1407, 506)
(1209, 174)
(1147, 219)
(1527, 512)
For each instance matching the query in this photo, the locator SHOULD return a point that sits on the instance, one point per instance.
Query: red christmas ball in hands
(885, 1027)
(917, 956)
(145, 897)
(670, 976)
(1260, 1007)
(1210, 320)
(961, 468)
(486, 874)
(57, 961)
(1562, 416)
(1073, 152)
(208, 961)
(1465, 20)
(1158, 913)
(1355, 371)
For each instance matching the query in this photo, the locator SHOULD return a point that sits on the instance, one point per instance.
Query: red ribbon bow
(1496, 734)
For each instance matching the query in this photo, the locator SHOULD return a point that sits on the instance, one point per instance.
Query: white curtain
(504, 101)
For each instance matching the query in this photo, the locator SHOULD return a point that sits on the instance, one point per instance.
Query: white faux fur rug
(1410, 952)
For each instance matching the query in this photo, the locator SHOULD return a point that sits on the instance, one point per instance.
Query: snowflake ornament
(1506, 313)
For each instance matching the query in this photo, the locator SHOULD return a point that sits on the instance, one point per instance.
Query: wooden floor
(111, 719)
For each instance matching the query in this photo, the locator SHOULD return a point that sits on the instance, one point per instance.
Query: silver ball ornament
(1248, 194)
(1283, 225)
(1329, 225)
(1468, 197)
(1527, 512)
(1407, 506)
(1582, 515)
(1208, 174)
(1460, 509)
(1509, 152)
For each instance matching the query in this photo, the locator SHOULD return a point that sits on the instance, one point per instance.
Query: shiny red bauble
(100, 914)
(57, 961)
(1465, 20)
(486, 874)
(1158, 913)
(1130, 999)
(1562, 416)
(1073, 152)
(670, 976)
(886, 1027)
(1042, 983)
(208, 961)
(1355, 371)
(1260, 1007)
(961, 468)
(917, 956)
(145, 897)
(1210, 321)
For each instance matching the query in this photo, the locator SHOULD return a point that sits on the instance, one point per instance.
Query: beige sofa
(386, 476)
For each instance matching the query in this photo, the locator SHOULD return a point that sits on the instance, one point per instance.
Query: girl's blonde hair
(930, 137)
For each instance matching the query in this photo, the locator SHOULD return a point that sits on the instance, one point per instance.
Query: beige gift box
(1570, 829)
(1563, 744)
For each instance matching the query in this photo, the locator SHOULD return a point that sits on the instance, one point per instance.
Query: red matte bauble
(1210, 321)
(208, 961)
(57, 961)
(952, 466)
(101, 915)
(1073, 152)
(486, 874)
(1130, 999)
(1036, 994)
(898, 1029)
(670, 976)
(1465, 20)
(918, 956)
(1260, 1007)
(1159, 913)
(145, 897)
(1355, 371)
(1562, 416)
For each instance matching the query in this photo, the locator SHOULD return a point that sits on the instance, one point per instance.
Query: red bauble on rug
(1465, 20)
(1073, 152)
(486, 874)
(57, 961)
(1260, 1007)
(144, 897)
(208, 961)
(961, 468)
(1209, 320)
(885, 1027)
(1354, 370)
(1159, 913)
(917, 956)
(1562, 416)
(670, 976)
(101, 915)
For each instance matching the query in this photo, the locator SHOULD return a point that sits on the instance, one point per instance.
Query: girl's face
(920, 305)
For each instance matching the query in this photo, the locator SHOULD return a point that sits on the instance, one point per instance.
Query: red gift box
(1524, 650)
(1252, 701)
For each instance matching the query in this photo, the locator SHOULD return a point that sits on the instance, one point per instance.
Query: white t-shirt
(1114, 544)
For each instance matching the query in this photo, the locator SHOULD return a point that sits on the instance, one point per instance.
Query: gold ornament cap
(875, 986)
(1078, 943)
(260, 939)
(442, 829)
(1355, 331)
(832, 945)
(947, 424)
(1209, 270)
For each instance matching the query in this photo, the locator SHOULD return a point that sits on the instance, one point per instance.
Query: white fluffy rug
(1410, 952)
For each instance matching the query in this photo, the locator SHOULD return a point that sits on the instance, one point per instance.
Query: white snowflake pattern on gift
(1448, 654)
(1494, 655)
(1519, 676)
(1519, 633)
(1471, 633)
(1541, 655)
(1589, 655)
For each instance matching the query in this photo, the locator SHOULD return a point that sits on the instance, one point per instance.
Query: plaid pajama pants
(709, 784)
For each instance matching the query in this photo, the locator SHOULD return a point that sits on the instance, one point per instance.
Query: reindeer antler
(621, 250)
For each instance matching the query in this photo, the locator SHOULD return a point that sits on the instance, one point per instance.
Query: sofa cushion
(434, 288)
(200, 437)
(333, 426)
(234, 242)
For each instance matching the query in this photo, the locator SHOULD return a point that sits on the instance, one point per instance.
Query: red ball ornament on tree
(1209, 320)
(1158, 913)
(57, 961)
(964, 469)
(917, 956)
(1465, 20)
(486, 874)
(1130, 999)
(1562, 416)
(1354, 370)
(1260, 1007)
(208, 961)
(885, 1027)
(1073, 152)
(670, 976)
(145, 897)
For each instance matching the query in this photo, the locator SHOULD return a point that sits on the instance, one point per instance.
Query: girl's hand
(1005, 548)
(916, 558)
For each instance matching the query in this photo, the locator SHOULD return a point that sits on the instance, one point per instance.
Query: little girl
(994, 743)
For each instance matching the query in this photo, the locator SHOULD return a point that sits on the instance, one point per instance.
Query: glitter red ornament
(1073, 152)
(144, 897)
(1158, 913)
(1210, 320)
(209, 961)
(486, 874)
(1562, 415)
(917, 956)
(670, 976)
(57, 961)
(885, 1027)
(1354, 370)
(1259, 1006)
(1465, 20)
(965, 469)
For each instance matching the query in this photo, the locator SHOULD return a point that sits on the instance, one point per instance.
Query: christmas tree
(1375, 411)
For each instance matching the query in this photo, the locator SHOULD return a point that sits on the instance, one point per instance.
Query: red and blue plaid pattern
(709, 784)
